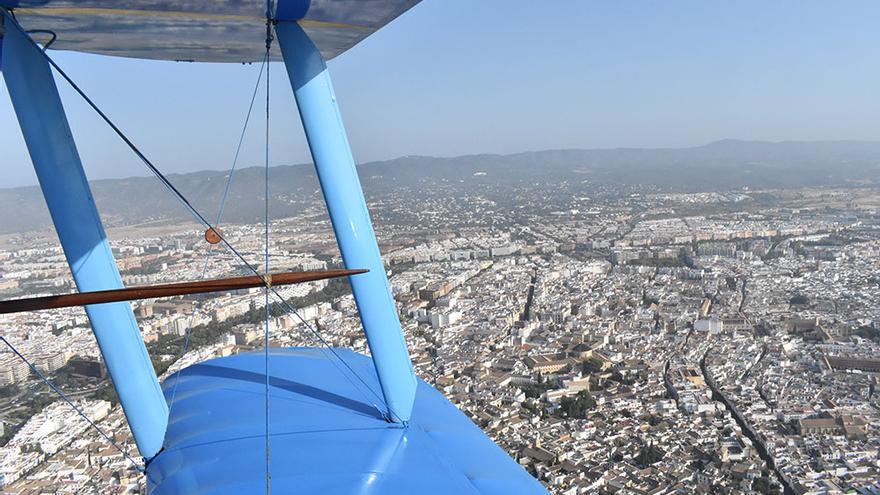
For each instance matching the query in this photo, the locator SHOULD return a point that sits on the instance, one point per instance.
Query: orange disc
(213, 236)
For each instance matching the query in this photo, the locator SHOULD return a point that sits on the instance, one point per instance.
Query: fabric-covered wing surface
(198, 30)
(325, 436)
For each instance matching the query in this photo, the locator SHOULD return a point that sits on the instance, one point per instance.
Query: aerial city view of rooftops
(637, 245)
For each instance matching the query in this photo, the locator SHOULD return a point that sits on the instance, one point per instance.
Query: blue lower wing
(326, 434)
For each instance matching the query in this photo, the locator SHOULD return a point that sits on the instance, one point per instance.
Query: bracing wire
(241, 139)
(74, 406)
(269, 17)
(198, 216)
(219, 217)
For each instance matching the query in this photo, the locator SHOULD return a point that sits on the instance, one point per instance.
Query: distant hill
(728, 164)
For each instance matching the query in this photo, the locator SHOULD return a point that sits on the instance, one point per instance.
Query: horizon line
(451, 157)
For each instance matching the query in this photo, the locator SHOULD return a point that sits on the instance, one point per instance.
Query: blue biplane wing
(199, 30)
(327, 437)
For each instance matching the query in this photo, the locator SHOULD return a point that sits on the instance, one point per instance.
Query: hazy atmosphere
(457, 77)
(578, 248)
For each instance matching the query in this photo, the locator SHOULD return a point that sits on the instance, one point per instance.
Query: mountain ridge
(720, 165)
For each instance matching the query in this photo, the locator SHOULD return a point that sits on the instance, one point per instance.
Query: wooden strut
(166, 290)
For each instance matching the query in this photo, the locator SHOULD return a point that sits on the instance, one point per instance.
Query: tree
(654, 420)
(9, 391)
(592, 365)
(535, 390)
(577, 406)
(799, 299)
(762, 485)
(8, 433)
(107, 393)
(649, 455)
(867, 332)
(731, 282)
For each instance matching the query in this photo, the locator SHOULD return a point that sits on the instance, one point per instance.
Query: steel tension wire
(74, 406)
(266, 242)
(219, 217)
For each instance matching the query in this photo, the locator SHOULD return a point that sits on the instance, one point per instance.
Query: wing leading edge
(198, 30)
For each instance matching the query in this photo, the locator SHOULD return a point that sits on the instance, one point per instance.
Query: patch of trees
(336, 287)
(868, 332)
(799, 299)
(533, 408)
(618, 377)
(764, 486)
(654, 420)
(210, 333)
(772, 255)
(107, 393)
(8, 433)
(649, 455)
(659, 262)
(36, 404)
(7, 391)
(591, 365)
(535, 390)
(647, 300)
(149, 268)
(731, 282)
(578, 405)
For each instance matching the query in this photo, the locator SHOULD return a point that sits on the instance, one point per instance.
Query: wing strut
(345, 201)
(66, 190)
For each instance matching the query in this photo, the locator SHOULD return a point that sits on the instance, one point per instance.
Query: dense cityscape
(612, 339)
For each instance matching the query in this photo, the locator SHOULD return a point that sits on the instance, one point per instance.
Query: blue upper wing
(199, 30)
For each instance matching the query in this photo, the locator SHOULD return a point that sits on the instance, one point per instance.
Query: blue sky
(455, 77)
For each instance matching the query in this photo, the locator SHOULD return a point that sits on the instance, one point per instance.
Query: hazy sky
(455, 77)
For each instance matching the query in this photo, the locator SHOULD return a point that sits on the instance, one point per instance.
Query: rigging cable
(198, 216)
(220, 209)
(74, 406)
(269, 17)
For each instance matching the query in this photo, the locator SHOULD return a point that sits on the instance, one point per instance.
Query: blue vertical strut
(59, 169)
(348, 213)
